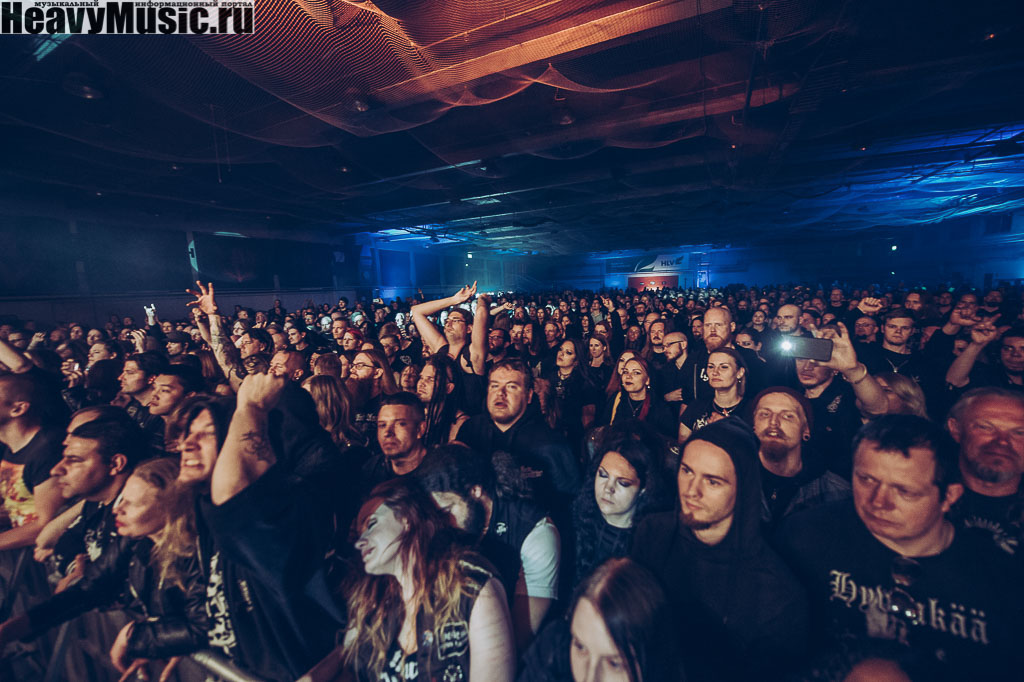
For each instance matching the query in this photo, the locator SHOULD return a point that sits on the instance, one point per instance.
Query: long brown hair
(427, 551)
(334, 409)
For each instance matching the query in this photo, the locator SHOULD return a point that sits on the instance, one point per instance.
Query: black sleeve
(276, 528)
(177, 634)
(101, 585)
(617, 341)
(46, 454)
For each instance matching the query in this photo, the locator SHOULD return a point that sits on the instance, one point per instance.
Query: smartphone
(806, 347)
(77, 367)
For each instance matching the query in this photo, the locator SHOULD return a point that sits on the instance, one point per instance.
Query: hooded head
(719, 486)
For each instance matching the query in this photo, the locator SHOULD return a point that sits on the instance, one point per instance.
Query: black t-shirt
(22, 471)
(91, 534)
(778, 491)
(1000, 516)
(969, 597)
(704, 411)
(836, 422)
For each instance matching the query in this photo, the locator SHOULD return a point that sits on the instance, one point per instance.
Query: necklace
(635, 410)
(896, 368)
(724, 411)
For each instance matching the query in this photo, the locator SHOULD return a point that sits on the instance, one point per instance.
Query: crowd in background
(746, 483)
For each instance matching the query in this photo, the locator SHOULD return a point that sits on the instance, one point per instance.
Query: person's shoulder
(818, 524)
(655, 527)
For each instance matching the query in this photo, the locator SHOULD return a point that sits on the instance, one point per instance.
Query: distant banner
(160, 17)
(672, 262)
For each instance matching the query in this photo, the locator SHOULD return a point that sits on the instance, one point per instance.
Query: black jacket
(170, 621)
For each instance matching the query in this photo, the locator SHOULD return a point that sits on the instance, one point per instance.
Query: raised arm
(478, 339)
(217, 339)
(428, 332)
(48, 500)
(844, 359)
(247, 453)
(982, 334)
(13, 359)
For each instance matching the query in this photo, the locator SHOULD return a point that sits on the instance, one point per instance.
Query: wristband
(862, 376)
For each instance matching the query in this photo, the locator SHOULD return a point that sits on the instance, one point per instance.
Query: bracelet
(862, 376)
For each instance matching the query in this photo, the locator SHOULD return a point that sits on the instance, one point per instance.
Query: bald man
(677, 377)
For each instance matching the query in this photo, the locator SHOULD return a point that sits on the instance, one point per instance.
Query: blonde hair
(176, 540)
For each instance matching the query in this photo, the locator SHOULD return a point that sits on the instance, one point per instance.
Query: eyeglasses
(362, 365)
(902, 604)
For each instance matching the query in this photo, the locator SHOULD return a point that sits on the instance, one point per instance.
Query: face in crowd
(780, 425)
(617, 489)
(507, 396)
(707, 487)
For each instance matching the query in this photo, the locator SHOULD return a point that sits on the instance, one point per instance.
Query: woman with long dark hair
(422, 607)
(623, 484)
(727, 373)
(636, 401)
(599, 359)
(573, 390)
(619, 629)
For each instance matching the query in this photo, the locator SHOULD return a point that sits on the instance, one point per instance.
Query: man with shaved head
(678, 376)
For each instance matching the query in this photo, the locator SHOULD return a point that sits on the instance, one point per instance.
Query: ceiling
(530, 126)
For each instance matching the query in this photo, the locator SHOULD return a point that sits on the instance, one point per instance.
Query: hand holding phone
(806, 347)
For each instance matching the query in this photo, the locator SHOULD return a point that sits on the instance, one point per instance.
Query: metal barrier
(221, 667)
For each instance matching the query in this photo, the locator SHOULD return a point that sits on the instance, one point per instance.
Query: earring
(806, 437)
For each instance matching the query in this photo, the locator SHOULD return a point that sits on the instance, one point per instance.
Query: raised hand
(870, 306)
(844, 358)
(204, 298)
(261, 391)
(138, 337)
(464, 294)
(958, 317)
(985, 332)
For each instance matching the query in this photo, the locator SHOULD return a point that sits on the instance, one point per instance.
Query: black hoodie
(743, 615)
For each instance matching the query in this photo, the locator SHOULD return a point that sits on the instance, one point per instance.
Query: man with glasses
(678, 377)
(891, 566)
(468, 350)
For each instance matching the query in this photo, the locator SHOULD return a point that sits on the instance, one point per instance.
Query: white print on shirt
(957, 620)
(1004, 540)
(221, 634)
(395, 671)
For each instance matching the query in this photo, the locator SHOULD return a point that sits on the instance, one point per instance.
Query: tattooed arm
(247, 453)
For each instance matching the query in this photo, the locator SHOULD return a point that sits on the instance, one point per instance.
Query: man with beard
(400, 430)
(988, 423)
(791, 479)
(498, 345)
(479, 492)
(678, 378)
(966, 372)
(370, 378)
(719, 332)
(654, 351)
(742, 613)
